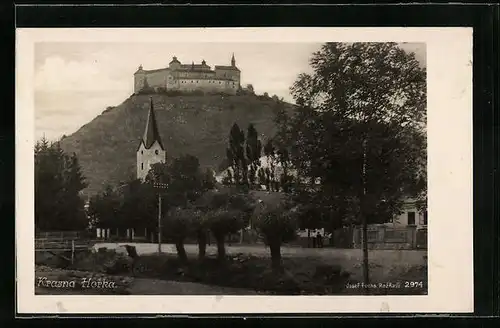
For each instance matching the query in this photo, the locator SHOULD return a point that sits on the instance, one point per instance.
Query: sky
(75, 82)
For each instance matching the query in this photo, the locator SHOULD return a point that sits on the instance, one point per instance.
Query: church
(150, 150)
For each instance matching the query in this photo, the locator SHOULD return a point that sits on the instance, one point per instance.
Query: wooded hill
(188, 124)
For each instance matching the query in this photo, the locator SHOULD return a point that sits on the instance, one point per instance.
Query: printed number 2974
(414, 284)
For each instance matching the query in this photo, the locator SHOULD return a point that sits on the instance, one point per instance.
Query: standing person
(319, 240)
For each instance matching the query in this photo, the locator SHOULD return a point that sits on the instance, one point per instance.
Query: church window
(156, 152)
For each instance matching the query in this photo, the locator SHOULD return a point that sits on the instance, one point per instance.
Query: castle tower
(233, 61)
(151, 150)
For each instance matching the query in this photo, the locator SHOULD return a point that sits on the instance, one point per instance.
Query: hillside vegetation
(196, 125)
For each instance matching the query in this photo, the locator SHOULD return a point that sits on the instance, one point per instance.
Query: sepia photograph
(243, 168)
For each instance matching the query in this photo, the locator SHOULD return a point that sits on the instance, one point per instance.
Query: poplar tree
(236, 155)
(253, 152)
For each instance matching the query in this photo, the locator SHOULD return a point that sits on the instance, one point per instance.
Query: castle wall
(208, 85)
(227, 73)
(138, 81)
(157, 79)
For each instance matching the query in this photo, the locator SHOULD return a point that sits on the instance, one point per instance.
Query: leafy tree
(236, 155)
(253, 153)
(138, 205)
(270, 172)
(227, 211)
(178, 224)
(201, 230)
(222, 222)
(58, 182)
(360, 128)
(185, 184)
(276, 220)
(105, 209)
(185, 180)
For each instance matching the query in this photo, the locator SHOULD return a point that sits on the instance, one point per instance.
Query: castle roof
(189, 66)
(218, 78)
(234, 68)
(155, 70)
(151, 133)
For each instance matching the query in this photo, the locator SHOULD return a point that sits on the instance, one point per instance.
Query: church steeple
(233, 61)
(151, 150)
(151, 133)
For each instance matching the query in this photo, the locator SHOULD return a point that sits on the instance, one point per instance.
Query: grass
(306, 271)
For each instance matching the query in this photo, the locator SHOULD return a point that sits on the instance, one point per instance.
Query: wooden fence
(61, 242)
(383, 237)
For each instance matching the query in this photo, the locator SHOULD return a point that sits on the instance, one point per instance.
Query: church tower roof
(151, 133)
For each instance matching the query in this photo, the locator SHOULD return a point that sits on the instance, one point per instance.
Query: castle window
(156, 152)
(142, 152)
(142, 166)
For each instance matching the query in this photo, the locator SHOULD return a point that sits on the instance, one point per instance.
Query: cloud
(63, 112)
(59, 74)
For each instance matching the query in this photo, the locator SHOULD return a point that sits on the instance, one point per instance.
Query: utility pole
(159, 187)
(366, 274)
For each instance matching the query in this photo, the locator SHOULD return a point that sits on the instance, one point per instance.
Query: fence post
(72, 251)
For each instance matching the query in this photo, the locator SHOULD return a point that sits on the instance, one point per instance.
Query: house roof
(151, 133)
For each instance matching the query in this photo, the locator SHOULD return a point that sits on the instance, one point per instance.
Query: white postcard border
(450, 243)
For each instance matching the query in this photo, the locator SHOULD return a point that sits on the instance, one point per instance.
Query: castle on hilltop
(189, 77)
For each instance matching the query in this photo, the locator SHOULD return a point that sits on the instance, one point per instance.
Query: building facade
(189, 77)
(410, 216)
(151, 149)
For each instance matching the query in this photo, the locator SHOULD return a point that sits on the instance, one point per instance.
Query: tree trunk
(181, 251)
(221, 249)
(202, 244)
(275, 248)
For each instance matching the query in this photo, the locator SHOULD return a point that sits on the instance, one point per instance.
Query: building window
(411, 218)
(156, 152)
(142, 152)
(142, 166)
(425, 218)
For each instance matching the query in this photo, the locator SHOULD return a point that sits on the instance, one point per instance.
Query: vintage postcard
(249, 170)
